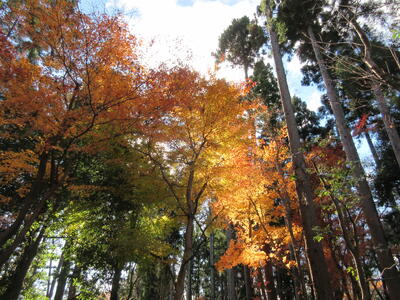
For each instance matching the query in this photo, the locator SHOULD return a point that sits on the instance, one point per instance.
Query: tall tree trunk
(62, 278)
(300, 288)
(269, 279)
(189, 280)
(319, 270)
(212, 296)
(116, 282)
(350, 239)
(55, 276)
(187, 253)
(72, 288)
(230, 275)
(6, 253)
(373, 149)
(263, 288)
(388, 121)
(248, 283)
(16, 281)
(379, 73)
(386, 262)
(32, 196)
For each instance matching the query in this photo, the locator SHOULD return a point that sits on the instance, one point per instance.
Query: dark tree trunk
(116, 282)
(248, 283)
(230, 275)
(269, 279)
(319, 270)
(388, 121)
(62, 279)
(212, 266)
(180, 283)
(72, 288)
(32, 196)
(189, 280)
(373, 149)
(16, 281)
(387, 265)
(56, 276)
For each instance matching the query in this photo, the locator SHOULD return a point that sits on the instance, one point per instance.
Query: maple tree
(189, 146)
(88, 76)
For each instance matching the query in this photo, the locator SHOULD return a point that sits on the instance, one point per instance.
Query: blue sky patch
(185, 2)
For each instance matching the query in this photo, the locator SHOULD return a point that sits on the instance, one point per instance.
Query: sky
(188, 31)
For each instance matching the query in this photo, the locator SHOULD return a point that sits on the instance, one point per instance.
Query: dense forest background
(121, 181)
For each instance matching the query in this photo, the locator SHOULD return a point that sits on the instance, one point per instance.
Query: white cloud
(314, 101)
(188, 33)
(293, 67)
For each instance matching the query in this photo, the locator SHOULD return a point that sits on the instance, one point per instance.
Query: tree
(240, 43)
(366, 201)
(304, 190)
(188, 146)
(88, 76)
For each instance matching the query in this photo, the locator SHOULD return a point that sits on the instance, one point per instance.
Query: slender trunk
(116, 282)
(263, 289)
(49, 277)
(72, 288)
(189, 280)
(386, 262)
(212, 266)
(377, 71)
(279, 286)
(247, 283)
(6, 253)
(269, 279)
(187, 253)
(131, 283)
(345, 287)
(230, 275)
(388, 121)
(246, 72)
(355, 287)
(351, 241)
(14, 288)
(298, 279)
(373, 149)
(35, 191)
(379, 294)
(62, 278)
(54, 281)
(300, 288)
(319, 270)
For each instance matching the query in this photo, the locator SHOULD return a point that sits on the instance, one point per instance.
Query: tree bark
(230, 275)
(55, 276)
(248, 283)
(189, 280)
(187, 253)
(72, 287)
(379, 73)
(269, 279)
(388, 121)
(373, 149)
(351, 241)
(116, 282)
(386, 262)
(212, 296)
(14, 288)
(32, 196)
(62, 279)
(319, 270)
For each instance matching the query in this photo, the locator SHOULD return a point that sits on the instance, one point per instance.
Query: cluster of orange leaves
(251, 186)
